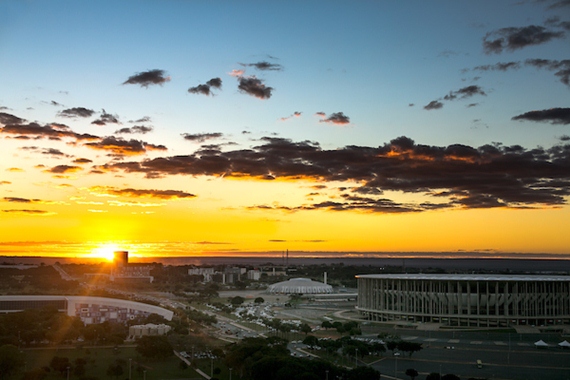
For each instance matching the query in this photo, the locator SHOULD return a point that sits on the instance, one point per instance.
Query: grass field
(98, 361)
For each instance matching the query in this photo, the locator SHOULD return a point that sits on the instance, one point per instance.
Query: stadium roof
(466, 277)
(300, 286)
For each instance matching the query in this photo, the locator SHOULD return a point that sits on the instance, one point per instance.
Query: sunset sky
(216, 127)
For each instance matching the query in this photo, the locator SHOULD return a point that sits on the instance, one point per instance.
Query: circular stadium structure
(299, 286)
(465, 300)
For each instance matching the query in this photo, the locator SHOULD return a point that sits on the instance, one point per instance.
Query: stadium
(299, 286)
(465, 300)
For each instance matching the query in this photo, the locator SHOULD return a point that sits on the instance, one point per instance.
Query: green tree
(450, 376)
(60, 364)
(311, 341)
(409, 347)
(237, 300)
(11, 360)
(258, 300)
(363, 373)
(115, 369)
(412, 373)
(433, 376)
(327, 325)
(305, 328)
(154, 347)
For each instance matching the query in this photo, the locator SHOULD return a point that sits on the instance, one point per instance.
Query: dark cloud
(561, 68)
(201, 137)
(553, 116)
(433, 105)
(254, 87)
(142, 193)
(52, 131)
(106, 118)
(21, 200)
(513, 38)
(136, 129)
(215, 82)
(28, 212)
(82, 161)
(144, 119)
(147, 78)
(465, 92)
(454, 176)
(264, 65)
(336, 118)
(54, 103)
(121, 147)
(501, 66)
(6, 118)
(295, 114)
(470, 105)
(63, 169)
(559, 4)
(203, 89)
(76, 112)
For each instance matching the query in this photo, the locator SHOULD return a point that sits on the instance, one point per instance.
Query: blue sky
(340, 74)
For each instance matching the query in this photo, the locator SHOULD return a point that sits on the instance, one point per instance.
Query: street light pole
(130, 367)
(144, 374)
(356, 358)
(327, 374)
(230, 374)
(67, 373)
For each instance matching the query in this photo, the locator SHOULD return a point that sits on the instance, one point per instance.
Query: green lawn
(99, 359)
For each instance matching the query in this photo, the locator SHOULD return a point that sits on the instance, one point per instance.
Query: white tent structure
(300, 286)
(540, 344)
(564, 344)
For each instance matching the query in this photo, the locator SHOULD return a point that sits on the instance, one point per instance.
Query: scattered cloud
(561, 68)
(147, 78)
(30, 212)
(106, 118)
(295, 114)
(15, 170)
(141, 193)
(433, 105)
(254, 87)
(513, 38)
(201, 137)
(462, 93)
(205, 89)
(264, 65)
(121, 147)
(52, 131)
(76, 112)
(21, 200)
(5, 183)
(465, 92)
(494, 175)
(553, 116)
(6, 118)
(337, 118)
(63, 169)
(236, 73)
(141, 129)
(82, 161)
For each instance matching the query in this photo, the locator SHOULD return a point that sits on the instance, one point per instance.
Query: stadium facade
(89, 309)
(465, 300)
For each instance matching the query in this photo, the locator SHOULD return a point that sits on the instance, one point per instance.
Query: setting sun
(106, 251)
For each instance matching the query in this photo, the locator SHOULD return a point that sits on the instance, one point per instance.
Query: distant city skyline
(329, 128)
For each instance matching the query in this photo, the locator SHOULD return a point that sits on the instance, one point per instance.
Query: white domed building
(300, 286)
